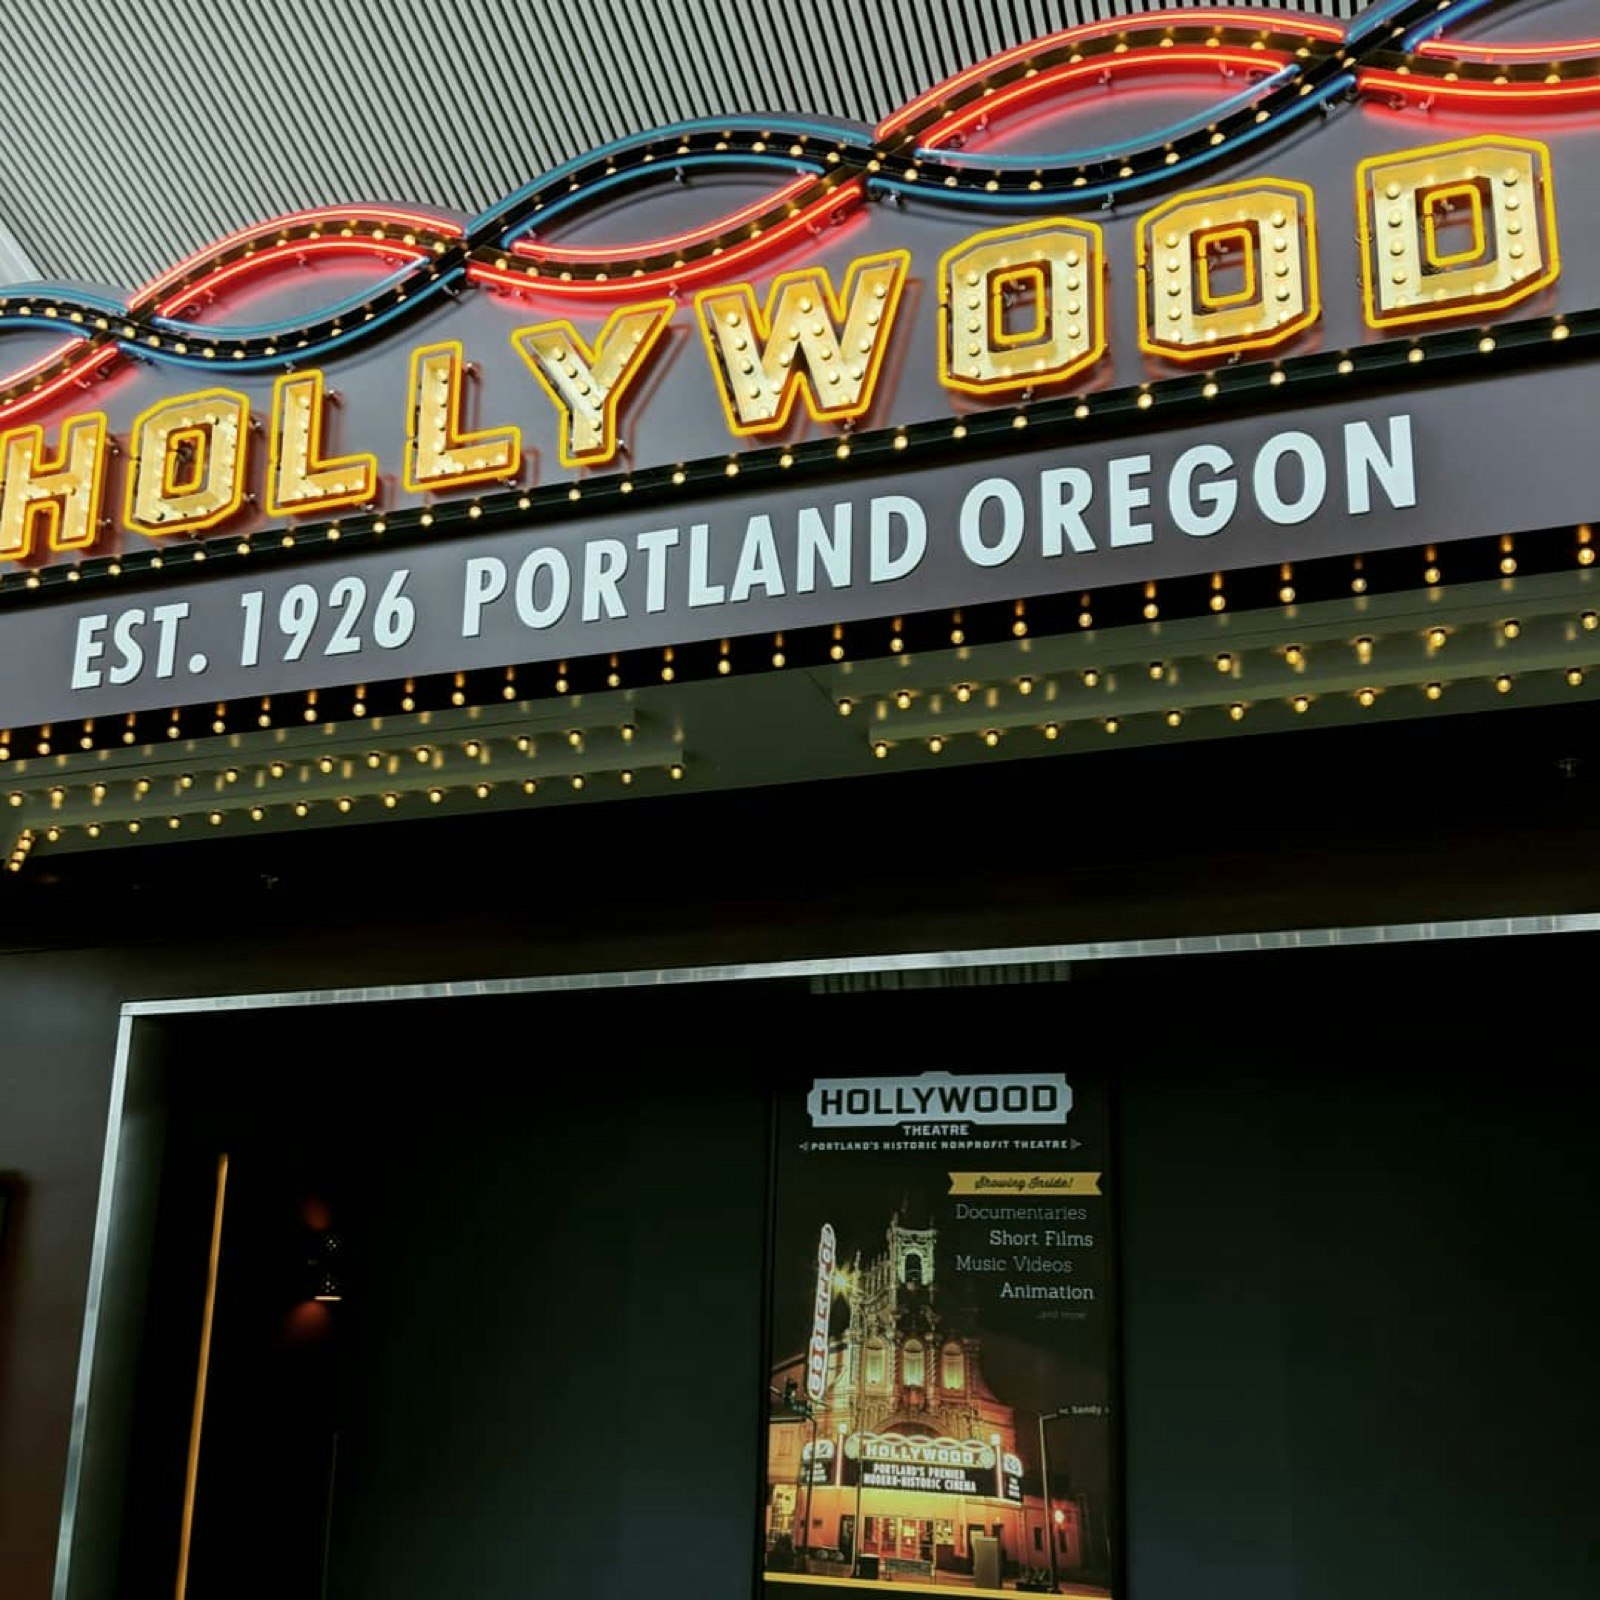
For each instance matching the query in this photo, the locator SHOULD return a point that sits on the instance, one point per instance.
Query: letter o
(1009, 497)
(1313, 467)
(544, 559)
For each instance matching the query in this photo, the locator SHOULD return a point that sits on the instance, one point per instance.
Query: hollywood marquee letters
(1466, 227)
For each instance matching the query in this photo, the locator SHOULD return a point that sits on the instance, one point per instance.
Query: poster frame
(141, 1021)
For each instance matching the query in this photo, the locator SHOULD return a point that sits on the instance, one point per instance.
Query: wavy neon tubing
(49, 359)
(835, 132)
(362, 330)
(1018, 199)
(669, 278)
(355, 302)
(1493, 54)
(1057, 78)
(730, 158)
(1167, 135)
(1426, 30)
(295, 219)
(1500, 96)
(15, 322)
(1410, 87)
(677, 241)
(1382, 15)
(78, 370)
(40, 290)
(1153, 21)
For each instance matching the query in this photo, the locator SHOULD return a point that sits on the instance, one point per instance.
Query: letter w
(807, 341)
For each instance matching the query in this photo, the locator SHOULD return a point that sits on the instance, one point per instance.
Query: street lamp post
(861, 1473)
(809, 1473)
(1044, 1484)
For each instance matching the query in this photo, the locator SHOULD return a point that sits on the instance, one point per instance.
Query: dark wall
(1347, 1307)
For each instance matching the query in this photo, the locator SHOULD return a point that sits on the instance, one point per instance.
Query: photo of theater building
(905, 1393)
(566, 570)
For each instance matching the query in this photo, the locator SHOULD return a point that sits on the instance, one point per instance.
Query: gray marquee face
(1447, 461)
(1461, 460)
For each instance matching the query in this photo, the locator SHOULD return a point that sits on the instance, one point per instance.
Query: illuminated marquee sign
(932, 1466)
(973, 356)
(817, 1354)
(814, 282)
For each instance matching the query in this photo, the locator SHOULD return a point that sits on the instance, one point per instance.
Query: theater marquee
(1337, 290)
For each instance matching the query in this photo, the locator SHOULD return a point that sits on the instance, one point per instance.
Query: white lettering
(167, 618)
(655, 546)
(1209, 509)
(132, 662)
(1064, 515)
(532, 614)
(88, 649)
(758, 562)
(486, 582)
(1365, 459)
(1125, 499)
(816, 544)
(702, 592)
(1009, 498)
(604, 561)
(884, 566)
(1313, 478)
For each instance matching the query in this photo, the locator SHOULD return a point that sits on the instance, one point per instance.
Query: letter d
(885, 566)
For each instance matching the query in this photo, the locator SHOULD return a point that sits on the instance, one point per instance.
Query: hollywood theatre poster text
(941, 1370)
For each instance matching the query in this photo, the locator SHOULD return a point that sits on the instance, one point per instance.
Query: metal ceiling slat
(645, 104)
(582, 126)
(206, 118)
(335, 101)
(451, 27)
(519, 91)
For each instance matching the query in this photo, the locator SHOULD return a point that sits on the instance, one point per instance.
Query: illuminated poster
(942, 1322)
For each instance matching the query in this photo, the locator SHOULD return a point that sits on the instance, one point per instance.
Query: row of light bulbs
(314, 708)
(1236, 711)
(342, 805)
(476, 749)
(1227, 662)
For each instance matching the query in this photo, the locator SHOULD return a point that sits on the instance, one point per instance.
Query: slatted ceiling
(133, 132)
